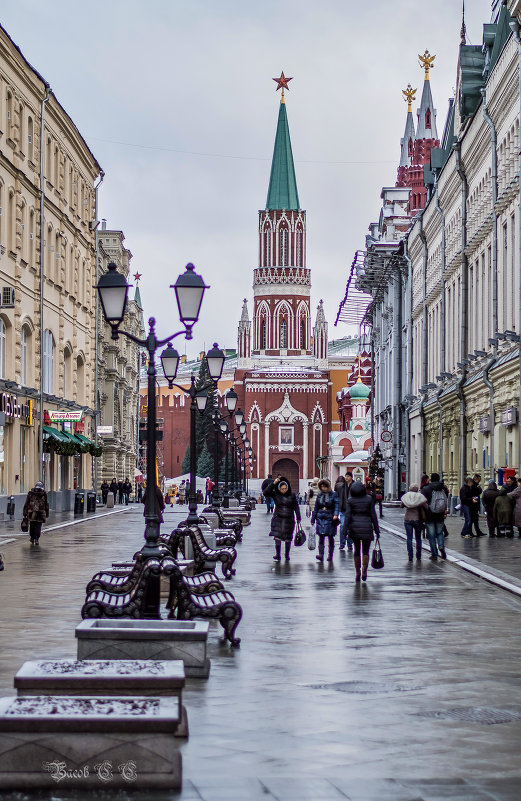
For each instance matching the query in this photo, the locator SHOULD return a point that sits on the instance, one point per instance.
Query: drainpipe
(493, 360)
(514, 26)
(443, 367)
(425, 338)
(42, 269)
(464, 322)
(96, 325)
(397, 345)
(409, 366)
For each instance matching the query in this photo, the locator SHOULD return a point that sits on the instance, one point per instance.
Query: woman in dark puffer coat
(286, 511)
(327, 516)
(361, 524)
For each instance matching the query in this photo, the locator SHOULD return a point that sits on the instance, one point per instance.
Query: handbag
(377, 559)
(312, 539)
(300, 537)
(24, 525)
(2, 562)
(335, 523)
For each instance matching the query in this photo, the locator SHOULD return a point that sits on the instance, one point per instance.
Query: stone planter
(103, 638)
(110, 677)
(89, 743)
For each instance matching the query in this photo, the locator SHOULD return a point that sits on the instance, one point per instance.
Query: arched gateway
(289, 469)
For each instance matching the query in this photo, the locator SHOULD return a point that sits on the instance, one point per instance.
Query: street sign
(386, 436)
(105, 430)
(62, 417)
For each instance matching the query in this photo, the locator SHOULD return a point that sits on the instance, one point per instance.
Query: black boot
(287, 549)
(331, 548)
(277, 551)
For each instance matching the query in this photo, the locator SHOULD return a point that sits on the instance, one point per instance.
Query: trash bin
(110, 500)
(91, 501)
(79, 501)
(226, 502)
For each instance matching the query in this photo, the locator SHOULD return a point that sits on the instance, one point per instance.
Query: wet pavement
(404, 689)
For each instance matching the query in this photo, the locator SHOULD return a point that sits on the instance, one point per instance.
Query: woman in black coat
(286, 511)
(361, 523)
(326, 514)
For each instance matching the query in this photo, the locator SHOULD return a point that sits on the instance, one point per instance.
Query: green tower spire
(282, 192)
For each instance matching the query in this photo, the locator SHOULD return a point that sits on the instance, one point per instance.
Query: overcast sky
(176, 101)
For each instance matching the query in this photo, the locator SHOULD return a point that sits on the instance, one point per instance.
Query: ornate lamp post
(113, 292)
(198, 400)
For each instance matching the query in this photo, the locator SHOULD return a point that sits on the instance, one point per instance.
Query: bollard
(10, 507)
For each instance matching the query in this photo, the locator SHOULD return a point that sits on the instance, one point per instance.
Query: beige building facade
(118, 372)
(47, 277)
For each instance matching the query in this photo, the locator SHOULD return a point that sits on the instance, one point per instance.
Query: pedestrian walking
(424, 481)
(270, 503)
(361, 523)
(312, 494)
(415, 504)
(114, 488)
(286, 512)
(378, 488)
(436, 493)
(127, 489)
(516, 496)
(139, 492)
(489, 498)
(474, 508)
(465, 497)
(36, 511)
(104, 492)
(120, 492)
(208, 490)
(342, 489)
(182, 492)
(326, 514)
(504, 513)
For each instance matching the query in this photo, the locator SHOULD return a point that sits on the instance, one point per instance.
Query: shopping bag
(312, 539)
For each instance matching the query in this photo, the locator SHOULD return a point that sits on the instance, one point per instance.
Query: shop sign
(9, 405)
(65, 417)
(105, 430)
(485, 424)
(509, 416)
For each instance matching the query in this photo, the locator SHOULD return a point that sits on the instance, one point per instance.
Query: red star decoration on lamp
(282, 82)
(137, 276)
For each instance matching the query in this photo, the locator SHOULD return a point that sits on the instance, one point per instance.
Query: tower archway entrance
(290, 470)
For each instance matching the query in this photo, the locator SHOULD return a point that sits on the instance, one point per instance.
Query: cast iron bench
(224, 537)
(185, 605)
(113, 603)
(202, 553)
(226, 522)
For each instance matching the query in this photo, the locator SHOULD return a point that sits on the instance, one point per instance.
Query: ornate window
(263, 338)
(302, 333)
(428, 118)
(47, 362)
(283, 240)
(267, 247)
(23, 357)
(298, 257)
(283, 334)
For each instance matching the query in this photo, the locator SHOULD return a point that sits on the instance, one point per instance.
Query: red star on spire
(137, 276)
(282, 82)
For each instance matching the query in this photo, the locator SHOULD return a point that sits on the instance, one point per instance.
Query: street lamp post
(113, 292)
(198, 400)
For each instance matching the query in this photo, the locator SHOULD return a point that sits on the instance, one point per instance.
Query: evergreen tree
(185, 467)
(205, 463)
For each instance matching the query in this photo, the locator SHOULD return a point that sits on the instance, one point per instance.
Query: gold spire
(426, 61)
(409, 95)
(359, 379)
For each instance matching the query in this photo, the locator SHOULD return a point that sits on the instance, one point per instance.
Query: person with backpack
(436, 493)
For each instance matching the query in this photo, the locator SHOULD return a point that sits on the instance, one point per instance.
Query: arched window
(80, 380)
(302, 333)
(56, 166)
(48, 159)
(67, 374)
(263, 337)
(298, 258)
(283, 239)
(267, 247)
(283, 334)
(428, 118)
(410, 147)
(9, 114)
(47, 362)
(11, 222)
(3, 347)
(23, 357)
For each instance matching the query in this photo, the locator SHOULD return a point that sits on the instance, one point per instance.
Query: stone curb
(496, 577)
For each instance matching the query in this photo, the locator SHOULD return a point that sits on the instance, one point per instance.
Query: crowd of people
(349, 508)
(502, 507)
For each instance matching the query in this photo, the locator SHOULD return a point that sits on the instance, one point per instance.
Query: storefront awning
(83, 440)
(59, 436)
(72, 438)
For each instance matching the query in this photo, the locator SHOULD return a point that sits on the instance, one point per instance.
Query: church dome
(359, 391)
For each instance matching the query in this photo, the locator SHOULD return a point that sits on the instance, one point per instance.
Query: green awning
(72, 438)
(59, 436)
(83, 440)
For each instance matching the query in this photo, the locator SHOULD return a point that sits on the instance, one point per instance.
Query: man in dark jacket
(342, 489)
(286, 511)
(362, 524)
(489, 498)
(474, 508)
(436, 493)
(465, 497)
